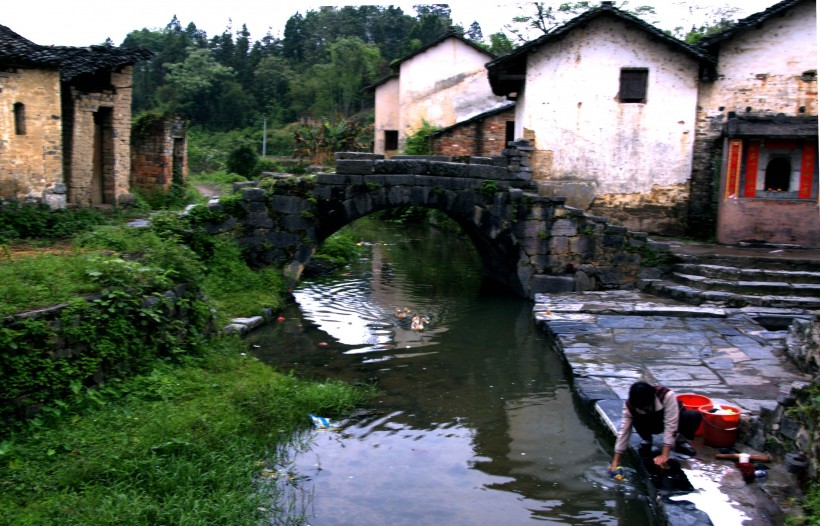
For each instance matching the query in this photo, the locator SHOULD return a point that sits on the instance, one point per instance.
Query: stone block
(408, 166)
(253, 194)
(442, 169)
(359, 156)
(287, 204)
(545, 284)
(342, 179)
(354, 167)
(564, 227)
(484, 171)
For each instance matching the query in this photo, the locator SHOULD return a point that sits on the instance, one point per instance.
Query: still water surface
(476, 423)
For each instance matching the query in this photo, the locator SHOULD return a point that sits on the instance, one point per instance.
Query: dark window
(19, 118)
(391, 140)
(509, 136)
(633, 85)
(778, 175)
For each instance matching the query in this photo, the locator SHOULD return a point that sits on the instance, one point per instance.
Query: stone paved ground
(610, 339)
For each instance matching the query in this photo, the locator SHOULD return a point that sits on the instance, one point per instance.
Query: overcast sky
(85, 22)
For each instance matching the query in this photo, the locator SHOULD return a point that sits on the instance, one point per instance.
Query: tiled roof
(71, 61)
(604, 10)
(750, 22)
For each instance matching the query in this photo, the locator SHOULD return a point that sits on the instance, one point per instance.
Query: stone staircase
(741, 281)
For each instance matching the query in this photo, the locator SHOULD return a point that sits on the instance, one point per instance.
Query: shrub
(418, 143)
(243, 161)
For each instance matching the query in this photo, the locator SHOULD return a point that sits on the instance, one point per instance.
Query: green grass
(184, 445)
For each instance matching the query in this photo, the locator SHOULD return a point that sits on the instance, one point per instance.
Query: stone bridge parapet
(527, 242)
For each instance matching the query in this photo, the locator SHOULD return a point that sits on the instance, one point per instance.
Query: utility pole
(264, 137)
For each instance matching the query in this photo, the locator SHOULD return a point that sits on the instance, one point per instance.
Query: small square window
(633, 84)
(391, 139)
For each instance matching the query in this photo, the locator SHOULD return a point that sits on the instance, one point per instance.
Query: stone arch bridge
(528, 243)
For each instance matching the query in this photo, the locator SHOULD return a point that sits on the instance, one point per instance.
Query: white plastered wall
(581, 129)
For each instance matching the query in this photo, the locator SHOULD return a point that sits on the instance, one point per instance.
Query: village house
(609, 104)
(65, 122)
(442, 83)
(757, 125)
(634, 125)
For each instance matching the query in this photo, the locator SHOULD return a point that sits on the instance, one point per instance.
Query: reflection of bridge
(528, 243)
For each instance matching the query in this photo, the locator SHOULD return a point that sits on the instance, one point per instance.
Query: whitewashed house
(443, 83)
(609, 103)
(758, 129)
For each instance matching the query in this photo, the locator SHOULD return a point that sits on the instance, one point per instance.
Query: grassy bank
(184, 444)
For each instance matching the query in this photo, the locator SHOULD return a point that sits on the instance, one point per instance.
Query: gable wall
(634, 159)
(30, 163)
(387, 112)
(444, 85)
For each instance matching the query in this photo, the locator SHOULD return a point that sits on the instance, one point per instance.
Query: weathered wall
(482, 137)
(159, 154)
(31, 164)
(85, 188)
(764, 71)
(443, 85)
(583, 134)
(386, 112)
(771, 221)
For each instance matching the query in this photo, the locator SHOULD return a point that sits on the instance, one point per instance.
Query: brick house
(484, 135)
(65, 122)
(757, 128)
(442, 83)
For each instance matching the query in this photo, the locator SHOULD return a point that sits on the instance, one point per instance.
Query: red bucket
(720, 428)
(695, 401)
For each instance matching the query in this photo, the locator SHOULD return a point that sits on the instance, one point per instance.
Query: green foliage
(181, 444)
(341, 248)
(489, 188)
(39, 221)
(244, 161)
(418, 142)
(318, 142)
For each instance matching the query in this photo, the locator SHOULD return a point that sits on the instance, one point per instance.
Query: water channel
(476, 421)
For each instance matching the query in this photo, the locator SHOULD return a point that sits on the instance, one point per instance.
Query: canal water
(476, 422)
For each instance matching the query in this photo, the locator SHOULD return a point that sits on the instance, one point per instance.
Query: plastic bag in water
(320, 422)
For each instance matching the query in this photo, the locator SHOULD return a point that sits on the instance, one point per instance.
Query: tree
(542, 18)
(474, 33)
(722, 18)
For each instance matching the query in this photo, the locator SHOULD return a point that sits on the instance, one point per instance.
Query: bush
(243, 161)
(418, 143)
(29, 221)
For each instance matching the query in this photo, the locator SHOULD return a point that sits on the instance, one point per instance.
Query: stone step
(697, 296)
(799, 264)
(746, 273)
(757, 288)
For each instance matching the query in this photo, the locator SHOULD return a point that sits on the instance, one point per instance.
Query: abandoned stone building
(65, 122)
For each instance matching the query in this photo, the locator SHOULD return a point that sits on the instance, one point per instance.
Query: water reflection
(477, 423)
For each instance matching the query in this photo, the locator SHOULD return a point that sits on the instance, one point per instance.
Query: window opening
(391, 139)
(509, 135)
(19, 118)
(778, 175)
(633, 84)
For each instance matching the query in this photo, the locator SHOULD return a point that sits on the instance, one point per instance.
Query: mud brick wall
(30, 162)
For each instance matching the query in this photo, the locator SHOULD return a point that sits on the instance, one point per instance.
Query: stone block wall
(30, 163)
(528, 242)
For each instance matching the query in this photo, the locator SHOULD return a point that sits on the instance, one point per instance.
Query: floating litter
(320, 422)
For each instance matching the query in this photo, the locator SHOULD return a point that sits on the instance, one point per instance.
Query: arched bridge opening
(528, 243)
